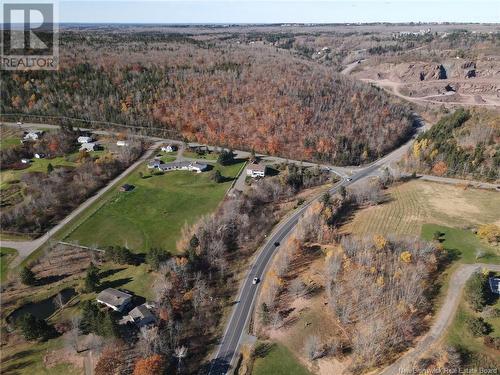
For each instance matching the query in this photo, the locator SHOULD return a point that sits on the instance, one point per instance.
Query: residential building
(198, 167)
(169, 148)
(495, 284)
(155, 163)
(33, 135)
(256, 170)
(92, 146)
(39, 155)
(84, 139)
(122, 143)
(25, 161)
(114, 299)
(141, 316)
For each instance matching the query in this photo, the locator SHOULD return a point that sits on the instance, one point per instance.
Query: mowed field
(414, 203)
(153, 214)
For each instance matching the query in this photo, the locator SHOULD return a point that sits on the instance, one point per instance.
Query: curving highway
(242, 310)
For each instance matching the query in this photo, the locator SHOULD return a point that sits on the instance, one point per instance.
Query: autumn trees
(45, 203)
(216, 93)
(153, 365)
(462, 144)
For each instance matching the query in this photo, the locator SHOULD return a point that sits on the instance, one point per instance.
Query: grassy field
(153, 214)
(414, 203)
(26, 358)
(459, 336)
(8, 142)
(463, 244)
(278, 361)
(6, 256)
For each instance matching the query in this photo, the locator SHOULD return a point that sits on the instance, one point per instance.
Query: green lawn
(278, 361)
(462, 244)
(153, 214)
(459, 336)
(26, 358)
(40, 165)
(6, 142)
(6, 256)
(137, 279)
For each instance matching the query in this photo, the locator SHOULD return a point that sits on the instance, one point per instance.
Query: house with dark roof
(495, 284)
(114, 299)
(141, 316)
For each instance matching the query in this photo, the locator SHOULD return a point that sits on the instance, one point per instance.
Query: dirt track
(443, 319)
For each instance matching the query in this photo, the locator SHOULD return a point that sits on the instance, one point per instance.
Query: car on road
(276, 243)
(349, 179)
(255, 280)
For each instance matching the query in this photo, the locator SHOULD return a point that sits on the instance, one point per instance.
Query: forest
(462, 144)
(219, 92)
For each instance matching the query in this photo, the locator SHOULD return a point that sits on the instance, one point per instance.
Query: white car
(255, 280)
(19, 123)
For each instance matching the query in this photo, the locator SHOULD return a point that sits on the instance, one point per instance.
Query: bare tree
(58, 301)
(297, 287)
(311, 347)
(180, 353)
(73, 336)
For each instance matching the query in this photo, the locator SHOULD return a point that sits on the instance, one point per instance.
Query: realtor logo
(30, 36)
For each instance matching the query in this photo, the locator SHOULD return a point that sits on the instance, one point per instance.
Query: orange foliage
(439, 168)
(154, 365)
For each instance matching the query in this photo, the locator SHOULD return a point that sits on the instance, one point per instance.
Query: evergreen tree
(33, 328)
(155, 256)
(50, 168)
(92, 278)
(27, 276)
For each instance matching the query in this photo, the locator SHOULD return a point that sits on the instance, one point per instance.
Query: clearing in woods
(414, 203)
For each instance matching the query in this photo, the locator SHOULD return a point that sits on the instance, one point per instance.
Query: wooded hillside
(239, 95)
(463, 144)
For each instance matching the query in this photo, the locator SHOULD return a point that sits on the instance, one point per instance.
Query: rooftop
(113, 297)
(258, 167)
(140, 312)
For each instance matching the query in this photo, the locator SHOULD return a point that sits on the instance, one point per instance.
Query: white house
(25, 161)
(256, 170)
(122, 143)
(179, 165)
(155, 163)
(92, 146)
(141, 316)
(84, 139)
(169, 148)
(197, 167)
(39, 155)
(33, 135)
(495, 284)
(114, 299)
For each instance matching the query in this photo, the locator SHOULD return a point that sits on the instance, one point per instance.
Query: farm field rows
(414, 203)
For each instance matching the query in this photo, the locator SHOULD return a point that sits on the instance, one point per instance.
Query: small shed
(127, 187)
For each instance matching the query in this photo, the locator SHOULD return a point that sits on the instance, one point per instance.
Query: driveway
(25, 248)
(443, 319)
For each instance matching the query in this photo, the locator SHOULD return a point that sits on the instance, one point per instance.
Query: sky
(278, 11)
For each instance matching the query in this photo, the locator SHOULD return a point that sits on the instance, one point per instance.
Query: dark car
(276, 244)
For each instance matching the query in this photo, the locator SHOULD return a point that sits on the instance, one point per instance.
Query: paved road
(443, 320)
(242, 310)
(25, 248)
